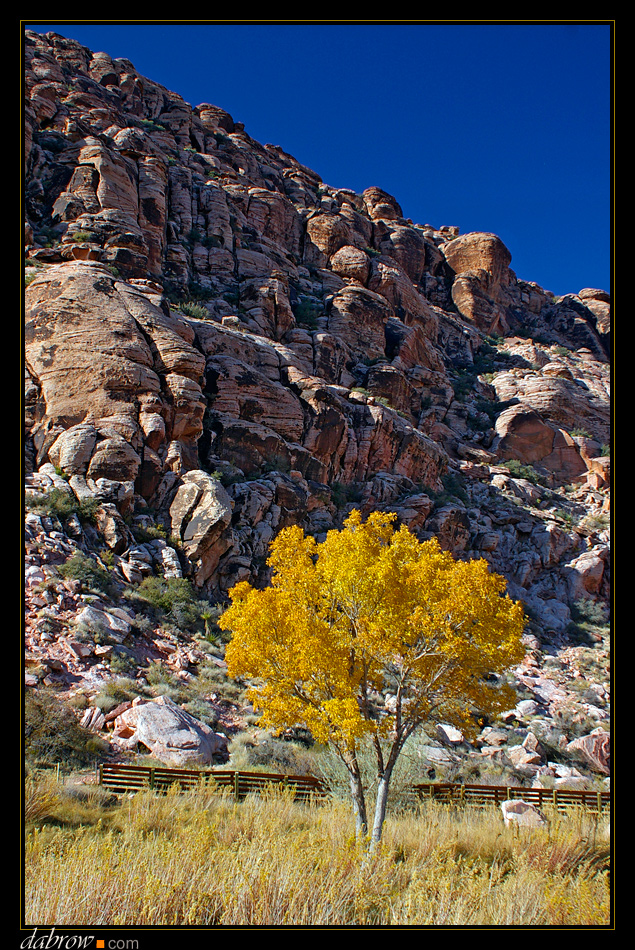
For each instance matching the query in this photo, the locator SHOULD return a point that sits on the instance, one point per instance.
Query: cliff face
(220, 343)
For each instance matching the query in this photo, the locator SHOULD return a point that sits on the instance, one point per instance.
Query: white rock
(449, 734)
(172, 735)
(521, 813)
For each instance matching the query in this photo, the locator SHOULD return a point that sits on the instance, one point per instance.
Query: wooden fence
(561, 798)
(132, 778)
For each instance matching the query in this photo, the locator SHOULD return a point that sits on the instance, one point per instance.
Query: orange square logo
(100, 944)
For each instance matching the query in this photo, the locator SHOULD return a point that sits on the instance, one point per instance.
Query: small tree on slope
(367, 636)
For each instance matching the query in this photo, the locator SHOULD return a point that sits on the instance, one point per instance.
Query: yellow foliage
(372, 611)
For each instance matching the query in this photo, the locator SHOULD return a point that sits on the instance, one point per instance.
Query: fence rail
(561, 798)
(131, 778)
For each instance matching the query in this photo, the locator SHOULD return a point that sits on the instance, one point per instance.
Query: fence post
(151, 777)
(236, 785)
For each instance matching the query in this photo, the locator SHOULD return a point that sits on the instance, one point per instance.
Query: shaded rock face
(216, 335)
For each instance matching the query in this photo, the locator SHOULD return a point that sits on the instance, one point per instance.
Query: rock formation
(218, 344)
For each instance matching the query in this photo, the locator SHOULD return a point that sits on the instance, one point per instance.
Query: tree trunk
(384, 775)
(359, 806)
(357, 793)
(380, 808)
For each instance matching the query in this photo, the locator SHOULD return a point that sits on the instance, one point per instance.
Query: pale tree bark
(381, 801)
(384, 775)
(357, 792)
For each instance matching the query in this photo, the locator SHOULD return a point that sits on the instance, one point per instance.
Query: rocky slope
(218, 344)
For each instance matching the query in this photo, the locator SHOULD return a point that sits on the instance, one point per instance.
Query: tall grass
(203, 859)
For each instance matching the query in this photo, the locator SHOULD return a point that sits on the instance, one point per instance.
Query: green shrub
(197, 311)
(116, 691)
(53, 734)
(277, 463)
(590, 611)
(306, 313)
(61, 504)
(152, 125)
(172, 598)
(202, 711)
(589, 623)
(345, 494)
(453, 489)
(89, 573)
(83, 236)
(518, 470)
(122, 662)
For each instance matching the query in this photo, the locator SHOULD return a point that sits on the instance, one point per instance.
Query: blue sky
(492, 127)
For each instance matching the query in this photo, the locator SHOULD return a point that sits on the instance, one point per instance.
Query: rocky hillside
(219, 344)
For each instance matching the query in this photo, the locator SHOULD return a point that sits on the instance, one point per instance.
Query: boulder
(595, 749)
(351, 263)
(519, 812)
(171, 734)
(199, 513)
(449, 735)
(586, 572)
(480, 262)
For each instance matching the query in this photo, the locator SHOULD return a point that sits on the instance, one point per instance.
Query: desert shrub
(277, 463)
(517, 470)
(53, 734)
(82, 236)
(41, 796)
(202, 711)
(61, 504)
(596, 522)
(197, 311)
(152, 125)
(345, 494)
(306, 313)
(453, 490)
(115, 691)
(87, 571)
(589, 621)
(590, 611)
(269, 754)
(172, 598)
(121, 661)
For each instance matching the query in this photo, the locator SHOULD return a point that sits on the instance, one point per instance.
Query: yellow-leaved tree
(368, 635)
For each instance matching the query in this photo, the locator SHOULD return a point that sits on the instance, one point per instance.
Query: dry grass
(202, 859)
